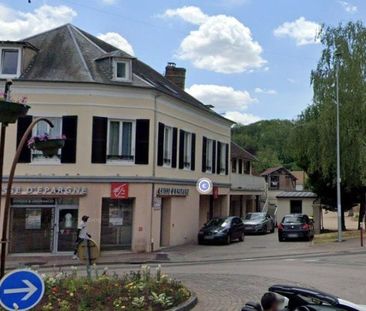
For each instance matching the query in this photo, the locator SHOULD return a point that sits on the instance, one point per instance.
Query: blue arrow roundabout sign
(21, 290)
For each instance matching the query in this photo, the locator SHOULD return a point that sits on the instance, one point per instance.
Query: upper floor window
(222, 159)
(10, 62)
(121, 70)
(209, 155)
(120, 140)
(187, 151)
(233, 165)
(247, 167)
(274, 182)
(168, 144)
(43, 128)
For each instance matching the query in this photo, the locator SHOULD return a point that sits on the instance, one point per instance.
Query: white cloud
(223, 98)
(259, 90)
(240, 117)
(226, 100)
(303, 31)
(221, 43)
(348, 7)
(16, 25)
(118, 41)
(190, 14)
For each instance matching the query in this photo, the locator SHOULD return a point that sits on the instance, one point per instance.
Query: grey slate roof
(297, 194)
(240, 152)
(69, 54)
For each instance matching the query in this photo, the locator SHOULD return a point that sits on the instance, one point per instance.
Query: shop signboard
(119, 191)
(47, 191)
(173, 192)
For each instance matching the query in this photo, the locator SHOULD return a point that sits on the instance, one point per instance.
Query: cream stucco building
(136, 145)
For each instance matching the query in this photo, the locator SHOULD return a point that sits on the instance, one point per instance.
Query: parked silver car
(258, 223)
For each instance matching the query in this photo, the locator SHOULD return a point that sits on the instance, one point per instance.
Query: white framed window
(121, 140)
(10, 62)
(168, 146)
(187, 151)
(43, 128)
(223, 159)
(121, 70)
(209, 155)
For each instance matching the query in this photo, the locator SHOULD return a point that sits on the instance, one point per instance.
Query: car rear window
(293, 220)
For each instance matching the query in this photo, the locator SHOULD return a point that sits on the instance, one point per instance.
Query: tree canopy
(313, 139)
(268, 140)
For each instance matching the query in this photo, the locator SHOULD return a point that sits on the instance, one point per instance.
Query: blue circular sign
(204, 186)
(21, 290)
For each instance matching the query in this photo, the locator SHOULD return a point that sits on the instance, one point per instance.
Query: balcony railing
(247, 182)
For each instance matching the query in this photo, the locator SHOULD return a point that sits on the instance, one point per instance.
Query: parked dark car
(303, 299)
(222, 230)
(296, 226)
(258, 223)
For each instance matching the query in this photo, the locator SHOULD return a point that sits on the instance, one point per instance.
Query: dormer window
(9, 62)
(121, 70)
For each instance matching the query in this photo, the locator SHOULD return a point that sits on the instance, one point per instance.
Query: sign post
(21, 290)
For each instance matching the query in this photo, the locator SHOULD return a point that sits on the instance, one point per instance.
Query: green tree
(268, 140)
(313, 140)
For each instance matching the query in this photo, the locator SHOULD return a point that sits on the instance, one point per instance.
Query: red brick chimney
(176, 75)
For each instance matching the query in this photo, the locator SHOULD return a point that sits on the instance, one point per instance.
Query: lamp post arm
(8, 190)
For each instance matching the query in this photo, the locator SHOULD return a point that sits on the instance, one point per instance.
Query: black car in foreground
(296, 226)
(222, 230)
(258, 223)
(303, 299)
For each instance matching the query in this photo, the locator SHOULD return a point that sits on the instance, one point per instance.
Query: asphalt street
(225, 277)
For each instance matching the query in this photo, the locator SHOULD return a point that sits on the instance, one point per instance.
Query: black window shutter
(204, 143)
(193, 152)
(161, 128)
(227, 159)
(218, 157)
(99, 143)
(69, 129)
(142, 141)
(181, 149)
(214, 157)
(240, 166)
(22, 125)
(175, 146)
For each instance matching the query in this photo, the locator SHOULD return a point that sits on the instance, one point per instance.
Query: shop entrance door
(66, 224)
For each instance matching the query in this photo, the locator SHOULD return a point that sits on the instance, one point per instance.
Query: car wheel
(228, 239)
(242, 236)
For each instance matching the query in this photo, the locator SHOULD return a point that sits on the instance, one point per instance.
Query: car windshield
(218, 222)
(254, 216)
(293, 220)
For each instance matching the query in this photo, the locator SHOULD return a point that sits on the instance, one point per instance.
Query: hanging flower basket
(48, 145)
(11, 111)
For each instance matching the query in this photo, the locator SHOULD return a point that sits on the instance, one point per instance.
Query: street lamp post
(8, 191)
(339, 206)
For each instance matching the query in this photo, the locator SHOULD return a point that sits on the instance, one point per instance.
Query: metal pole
(8, 191)
(339, 207)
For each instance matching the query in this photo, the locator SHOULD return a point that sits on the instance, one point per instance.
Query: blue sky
(251, 59)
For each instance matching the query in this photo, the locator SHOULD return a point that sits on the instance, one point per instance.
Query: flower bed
(135, 291)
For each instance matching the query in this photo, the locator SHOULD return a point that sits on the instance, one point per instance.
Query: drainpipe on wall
(153, 173)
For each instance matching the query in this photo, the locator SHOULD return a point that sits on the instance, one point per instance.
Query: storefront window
(31, 230)
(117, 218)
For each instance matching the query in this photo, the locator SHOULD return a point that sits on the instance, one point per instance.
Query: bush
(134, 291)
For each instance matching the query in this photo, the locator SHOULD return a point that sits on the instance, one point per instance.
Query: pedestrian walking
(82, 235)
